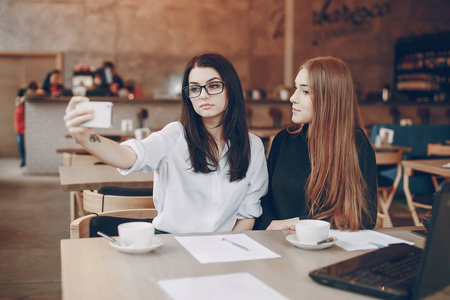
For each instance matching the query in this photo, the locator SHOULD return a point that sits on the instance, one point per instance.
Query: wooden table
(70, 147)
(432, 166)
(75, 154)
(92, 269)
(392, 148)
(118, 136)
(75, 179)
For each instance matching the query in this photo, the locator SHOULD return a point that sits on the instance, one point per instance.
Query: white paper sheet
(213, 248)
(229, 286)
(364, 239)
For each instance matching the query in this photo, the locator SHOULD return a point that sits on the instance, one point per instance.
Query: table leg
(409, 200)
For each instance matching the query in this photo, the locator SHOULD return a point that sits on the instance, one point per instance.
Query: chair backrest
(438, 150)
(383, 221)
(79, 228)
(96, 202)
(269, 145)
(389, 158)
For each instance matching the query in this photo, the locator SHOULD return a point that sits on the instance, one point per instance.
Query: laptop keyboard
(389, 273)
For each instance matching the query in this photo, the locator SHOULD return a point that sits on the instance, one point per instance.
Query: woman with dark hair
(324, 167)
(53, 83)
(209, 172)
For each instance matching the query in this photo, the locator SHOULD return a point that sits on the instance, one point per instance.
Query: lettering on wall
(356, 16)
(335, 20)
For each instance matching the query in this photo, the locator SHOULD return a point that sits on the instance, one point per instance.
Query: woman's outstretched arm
(106, 150)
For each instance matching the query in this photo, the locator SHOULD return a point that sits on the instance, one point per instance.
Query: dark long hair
(201, 144)
(46, 84)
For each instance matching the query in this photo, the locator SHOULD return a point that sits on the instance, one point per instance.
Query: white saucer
(293, 239)
(156, 242)
(447, 165)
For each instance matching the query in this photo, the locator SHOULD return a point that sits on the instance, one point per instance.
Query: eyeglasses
(212, 88)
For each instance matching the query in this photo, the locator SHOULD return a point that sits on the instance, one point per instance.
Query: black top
(289, 167)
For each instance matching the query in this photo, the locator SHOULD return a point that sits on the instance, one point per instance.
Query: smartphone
(102, 114)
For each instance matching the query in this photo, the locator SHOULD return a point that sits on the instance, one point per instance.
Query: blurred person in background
(19, 118)
(112, 80)
(100, 88)
(53, 85)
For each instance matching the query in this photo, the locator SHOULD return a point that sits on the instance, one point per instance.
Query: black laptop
(399, 271)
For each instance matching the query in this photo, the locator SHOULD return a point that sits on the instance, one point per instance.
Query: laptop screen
(434, 272)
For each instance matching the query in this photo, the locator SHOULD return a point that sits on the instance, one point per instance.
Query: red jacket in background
(19, 119)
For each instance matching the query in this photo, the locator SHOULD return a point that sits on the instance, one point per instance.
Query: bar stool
(385, 194)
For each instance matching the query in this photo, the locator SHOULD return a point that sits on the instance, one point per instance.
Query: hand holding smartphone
(102, 114)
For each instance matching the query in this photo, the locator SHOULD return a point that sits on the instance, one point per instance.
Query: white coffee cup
(141, 133)
(312, 231)
(127, 125)
(284, 95)
(136, 234)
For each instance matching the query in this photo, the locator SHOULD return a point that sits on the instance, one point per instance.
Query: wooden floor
(34, 217)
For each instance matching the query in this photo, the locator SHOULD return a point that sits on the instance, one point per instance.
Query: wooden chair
(437, 150)
(76, 197)
(96, 202)
(385, 194)
(383, 221)
(79, 228)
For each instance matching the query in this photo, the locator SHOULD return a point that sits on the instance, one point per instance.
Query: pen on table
(236, 244)
(379, 246)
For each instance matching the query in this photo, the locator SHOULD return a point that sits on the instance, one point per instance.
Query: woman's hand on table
(287, 224)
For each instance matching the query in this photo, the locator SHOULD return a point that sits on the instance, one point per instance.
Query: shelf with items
(422, 67)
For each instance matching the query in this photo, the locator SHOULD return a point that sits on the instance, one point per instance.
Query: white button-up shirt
(195, 202)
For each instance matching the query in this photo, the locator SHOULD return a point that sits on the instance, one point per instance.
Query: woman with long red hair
(324, 167)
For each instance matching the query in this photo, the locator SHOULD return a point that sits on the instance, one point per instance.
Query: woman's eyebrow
(209, 80)
(214, 79)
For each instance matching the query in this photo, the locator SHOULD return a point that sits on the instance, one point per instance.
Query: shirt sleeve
(153, 151)
(258, 183)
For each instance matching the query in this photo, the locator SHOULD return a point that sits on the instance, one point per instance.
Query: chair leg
(409, 200)
(385, 205)
(72, 206)
(435, 182)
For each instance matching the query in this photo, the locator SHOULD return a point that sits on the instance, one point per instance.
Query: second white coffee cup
(312, 231)
(136, 234)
